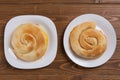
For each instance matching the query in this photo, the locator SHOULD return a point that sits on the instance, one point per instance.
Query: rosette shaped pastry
(29, 42)
(86, 41)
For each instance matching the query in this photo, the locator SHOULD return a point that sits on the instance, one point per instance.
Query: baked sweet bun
(29, 42)
(86, 41)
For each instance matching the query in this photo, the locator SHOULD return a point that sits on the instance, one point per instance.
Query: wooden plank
(48, 1)
(110, 1)
(62, 67)
(63, 77)
(32, 77)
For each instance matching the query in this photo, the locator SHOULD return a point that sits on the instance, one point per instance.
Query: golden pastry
(29, 42)
(86, 41)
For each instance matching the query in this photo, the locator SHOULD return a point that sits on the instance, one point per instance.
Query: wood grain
(110, 1)
(48, 1)
(62, 68)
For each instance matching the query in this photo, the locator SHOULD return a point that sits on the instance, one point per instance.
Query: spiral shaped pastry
(29, 42)
(86, 41)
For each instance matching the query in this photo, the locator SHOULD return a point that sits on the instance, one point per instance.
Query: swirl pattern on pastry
(29, 42)
(86, 41)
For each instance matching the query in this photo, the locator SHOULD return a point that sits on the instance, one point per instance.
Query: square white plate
(50, 29)
(102, 24)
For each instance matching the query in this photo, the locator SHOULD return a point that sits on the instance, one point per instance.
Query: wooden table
(61, 12)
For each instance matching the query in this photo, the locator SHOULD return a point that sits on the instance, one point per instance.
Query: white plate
(102, 24)
(47, 25)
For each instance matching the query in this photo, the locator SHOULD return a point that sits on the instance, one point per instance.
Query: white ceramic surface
(50, 29)
(103, 25)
